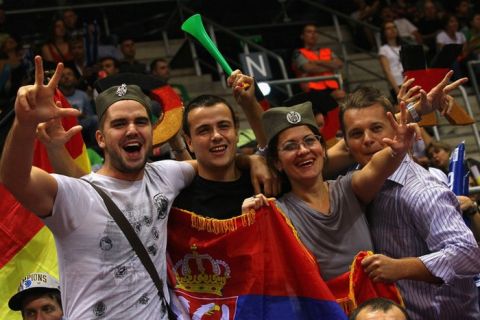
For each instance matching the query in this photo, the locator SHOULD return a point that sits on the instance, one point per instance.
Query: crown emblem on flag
(201, 273)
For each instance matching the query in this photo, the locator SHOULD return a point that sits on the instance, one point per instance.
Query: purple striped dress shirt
(414, 215)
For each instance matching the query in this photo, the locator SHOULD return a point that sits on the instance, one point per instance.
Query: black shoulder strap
(137, 246)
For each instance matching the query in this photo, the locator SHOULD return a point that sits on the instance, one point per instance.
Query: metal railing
(474, 190)
(84, 6)
(473, 79)
(336, 77)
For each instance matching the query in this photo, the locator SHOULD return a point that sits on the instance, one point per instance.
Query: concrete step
(149, 50)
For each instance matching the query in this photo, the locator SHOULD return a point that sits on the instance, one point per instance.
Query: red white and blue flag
(248, 267)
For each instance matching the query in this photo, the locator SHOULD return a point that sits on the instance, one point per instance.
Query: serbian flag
(354, 287)
(249, 267)
(26, 245)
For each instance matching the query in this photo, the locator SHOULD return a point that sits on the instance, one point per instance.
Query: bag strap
(137, 246)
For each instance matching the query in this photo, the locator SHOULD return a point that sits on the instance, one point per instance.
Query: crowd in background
(430, 24)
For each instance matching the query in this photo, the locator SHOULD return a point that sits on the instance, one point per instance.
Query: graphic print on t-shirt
(119, 262)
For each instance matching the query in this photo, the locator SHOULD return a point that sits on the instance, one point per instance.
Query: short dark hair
(52, 294)
(310, 24)
(377, 304)
(364, 97)
(382, 33)
(154, 62)
(116, 63)
(446, 19)
(205, 100)
(437, 145)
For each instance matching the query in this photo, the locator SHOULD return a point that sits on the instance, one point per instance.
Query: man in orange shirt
(312, 60)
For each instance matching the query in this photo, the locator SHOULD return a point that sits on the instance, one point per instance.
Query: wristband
(413, 112)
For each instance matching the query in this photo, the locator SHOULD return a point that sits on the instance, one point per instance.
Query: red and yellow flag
(26, 245)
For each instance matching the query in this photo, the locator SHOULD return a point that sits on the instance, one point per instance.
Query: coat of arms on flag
(249, 267)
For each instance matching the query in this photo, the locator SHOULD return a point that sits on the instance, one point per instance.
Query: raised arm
(438, 97)
(244, 93)
(34, 188)
(179, 148)
(369, 180)
(53, 136)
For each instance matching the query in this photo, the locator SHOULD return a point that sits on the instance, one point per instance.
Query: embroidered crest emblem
(294, 117)
(121, 90)
(201, 273)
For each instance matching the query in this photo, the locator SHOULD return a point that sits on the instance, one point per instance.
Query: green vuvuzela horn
(194, 27)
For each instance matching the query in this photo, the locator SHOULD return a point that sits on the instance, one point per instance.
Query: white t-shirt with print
(101, 277)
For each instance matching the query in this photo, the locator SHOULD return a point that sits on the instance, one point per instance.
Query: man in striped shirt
(415, 222)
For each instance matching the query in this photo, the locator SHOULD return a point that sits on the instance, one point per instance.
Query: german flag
(26, 245)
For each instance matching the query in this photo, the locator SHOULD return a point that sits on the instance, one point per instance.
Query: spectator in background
(406, 29)
(73, 26)
(160, 68)
(312, 60)
(129, 64)
(79, 100)
(378, 309)
(38, 297)
(365, 12)
(472, 37)
(451, 35)
(12, 70)
(77, 49)
(389, 55)
(57, 48)
(84, 72)
(109, 65)
(439, 155)
(405, 9)
(462, 12)
(429, 25)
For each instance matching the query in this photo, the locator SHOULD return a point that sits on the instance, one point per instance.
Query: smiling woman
(328, 215)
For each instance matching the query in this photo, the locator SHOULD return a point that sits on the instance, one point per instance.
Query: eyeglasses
(307, 142)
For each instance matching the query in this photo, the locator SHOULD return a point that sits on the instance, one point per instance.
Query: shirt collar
(400, 175)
